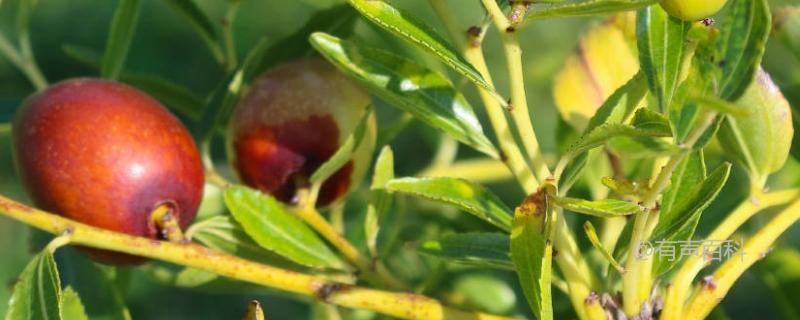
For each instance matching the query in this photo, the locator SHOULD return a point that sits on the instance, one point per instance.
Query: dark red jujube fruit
(291, 120)
(106, 154)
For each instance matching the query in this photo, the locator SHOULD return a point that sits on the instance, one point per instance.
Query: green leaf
(532, 253)
(741, 45)
(661, 40)
(463, 194)
(100, 294)
(381, 201)
(201, 23)
(680, 222)
(489, 250)
(614, 110)
(621, 103)
(591, 233)
(269, 223)
(384, 169)
(641, 147)
(222, 103)
(71, 305)
(601, 134)
(120, 36)
(572, 172)
(586, 8)
(687, 175)
(223, 233)
(409, 28)
(411, 87)
(345, 152)
(605, 208)
(651, 121)
(37, 294)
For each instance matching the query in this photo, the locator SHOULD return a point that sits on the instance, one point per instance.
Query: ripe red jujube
(106, 154)
(291, 120)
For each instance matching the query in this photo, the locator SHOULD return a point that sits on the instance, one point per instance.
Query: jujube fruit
(762, 137)
(291, 120)
(107, 155)
(692, 10)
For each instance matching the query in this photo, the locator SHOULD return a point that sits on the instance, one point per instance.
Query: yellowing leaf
(602, 63)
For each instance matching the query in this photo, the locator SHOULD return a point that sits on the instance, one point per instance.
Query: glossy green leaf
(37, 293)
(680, 222)
(661, 41)
(413, 88)
(223, 233)
(605, 208)
(402, 24)
(71, 305)
(475, 249)
(460, 193)
(274, 228)
(591, 234)
(201, 23)
(687, 175)
(586, 8)
(741, 45)
(120, 37)
(532, 254)
(346, 151)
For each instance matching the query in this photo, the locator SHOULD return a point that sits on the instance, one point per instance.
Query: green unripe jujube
(692, 10)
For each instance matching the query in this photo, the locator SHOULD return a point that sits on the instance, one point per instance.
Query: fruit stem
(227, 31)
(636, 283)
(709, 294)
(400, 305)
(371, 270)
(166, 224)
(681, 282)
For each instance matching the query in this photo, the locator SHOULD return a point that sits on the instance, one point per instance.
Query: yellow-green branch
(637, 282)
(711, 292)
(682, 281)
(400, 305)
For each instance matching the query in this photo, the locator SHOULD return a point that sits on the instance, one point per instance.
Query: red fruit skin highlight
(106, 154)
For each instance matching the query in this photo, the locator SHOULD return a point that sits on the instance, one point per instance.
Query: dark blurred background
(165, 45)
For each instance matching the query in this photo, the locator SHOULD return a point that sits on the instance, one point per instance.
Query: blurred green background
(165, 45)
